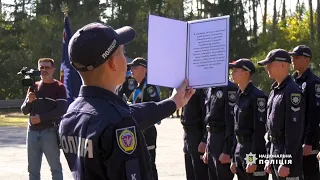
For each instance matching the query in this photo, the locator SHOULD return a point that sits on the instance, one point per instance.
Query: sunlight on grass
(13, 119)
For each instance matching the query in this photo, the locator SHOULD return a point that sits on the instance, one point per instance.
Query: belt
(215, 129)
(243, 139)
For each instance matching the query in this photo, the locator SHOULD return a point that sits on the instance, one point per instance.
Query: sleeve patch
(126, 139)
(261, 102)
(317, 90)
(295, 98)
(151, 91)
(133, 169)
(232, 96)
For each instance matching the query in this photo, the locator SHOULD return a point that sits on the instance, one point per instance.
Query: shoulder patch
(127, 139)
(317, 90)
(232, 95)
(151, 91)
(131, 84)
(261, 102)
(295, 98)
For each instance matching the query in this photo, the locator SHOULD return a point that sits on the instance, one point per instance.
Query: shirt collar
(283, 83)
(247, 89)
(304, 75)
(97, 92)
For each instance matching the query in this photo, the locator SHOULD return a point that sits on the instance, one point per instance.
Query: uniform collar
(142, 83)
(304, 76)
(283, 83)
(247, 89)
(97, 92)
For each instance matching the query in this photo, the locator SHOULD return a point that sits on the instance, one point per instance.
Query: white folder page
(208, 52)
(166, 51)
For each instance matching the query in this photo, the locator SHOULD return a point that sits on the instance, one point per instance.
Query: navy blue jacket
(285, 116)
(219, 103)
(101, 135)
(310, 85)
(250, 114)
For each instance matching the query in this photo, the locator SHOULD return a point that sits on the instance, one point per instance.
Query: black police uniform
(285, 121)
(145, 93)
(101, 136)
(219, 119)
(250, 117)
(194, 127)
(310, 85)
(127, 87)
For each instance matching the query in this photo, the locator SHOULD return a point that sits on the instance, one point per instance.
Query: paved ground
(13, 157)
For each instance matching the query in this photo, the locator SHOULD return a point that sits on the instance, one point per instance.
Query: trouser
(295, 167)
(43, 142)
(150, 135)
(215, 145)
(241, 151)
(195, 167)
(311, 166)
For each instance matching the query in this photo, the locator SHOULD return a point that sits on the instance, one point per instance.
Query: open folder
(194, 50)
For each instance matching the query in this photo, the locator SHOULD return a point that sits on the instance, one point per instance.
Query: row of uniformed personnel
(239, 116)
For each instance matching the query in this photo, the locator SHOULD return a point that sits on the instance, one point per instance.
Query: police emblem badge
(232, 95)
(261, 102)
(295, 98)
(151, 91)
(303, 86)
(127, 139)
(317, 90)
(131, 84)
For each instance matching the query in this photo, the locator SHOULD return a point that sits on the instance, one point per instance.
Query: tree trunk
(318, 19)
(264, 21)
(283, 15)
(274, 21)
(255, 23)
(311, 22)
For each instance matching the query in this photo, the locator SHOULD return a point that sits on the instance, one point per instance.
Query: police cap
(94, 44)
(138, 62)
(301, 50)
(276, 55)
(243, 63)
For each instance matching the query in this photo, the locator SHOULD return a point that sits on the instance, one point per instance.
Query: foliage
(33, 29)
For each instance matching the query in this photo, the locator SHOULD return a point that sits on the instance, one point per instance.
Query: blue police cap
(245, 64)
(94, 44)
(301, 50)
(138, 62)
(276, 55)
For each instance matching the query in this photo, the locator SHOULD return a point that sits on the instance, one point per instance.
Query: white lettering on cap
(280, 58)
(110, 48)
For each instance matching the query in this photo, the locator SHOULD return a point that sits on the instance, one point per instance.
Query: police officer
(100, 134)
(195, 137)
(124, 91)
(310, 84)
(145, 93)
(285, 118)
(250, 117)
(219, 104)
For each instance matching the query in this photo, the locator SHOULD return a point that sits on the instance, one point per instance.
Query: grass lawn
(13, 119)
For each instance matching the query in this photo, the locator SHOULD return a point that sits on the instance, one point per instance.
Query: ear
(112, 63)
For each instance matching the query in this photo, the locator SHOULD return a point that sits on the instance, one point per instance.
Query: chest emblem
(126, 139)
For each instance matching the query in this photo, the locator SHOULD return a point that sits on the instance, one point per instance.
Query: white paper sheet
(208, 52)
(166, 51)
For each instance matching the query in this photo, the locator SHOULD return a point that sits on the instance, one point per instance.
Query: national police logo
(317, 90)
(127, 139)
(295, 98)
(261, 102)
(232, 95)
